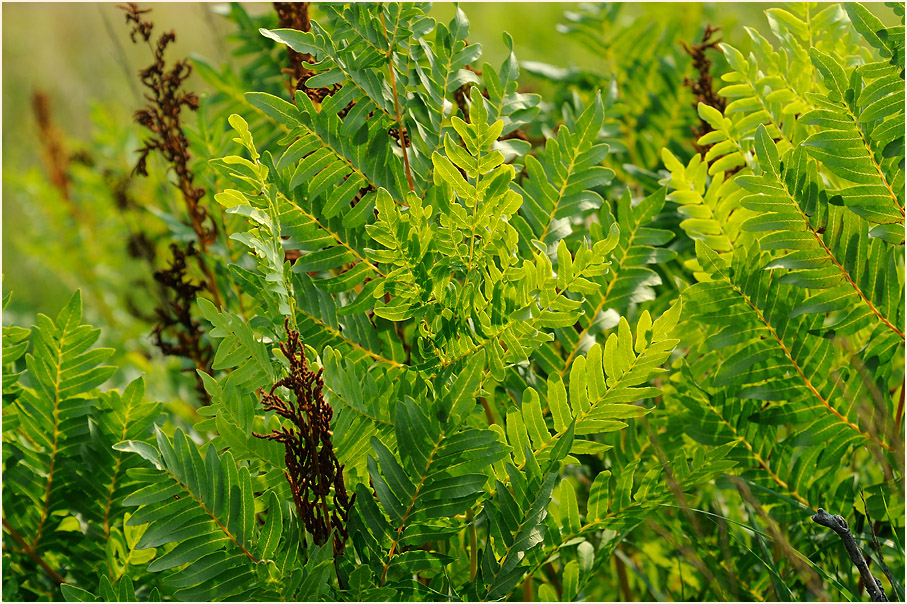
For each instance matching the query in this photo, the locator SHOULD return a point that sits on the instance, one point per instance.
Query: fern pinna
(496, 348)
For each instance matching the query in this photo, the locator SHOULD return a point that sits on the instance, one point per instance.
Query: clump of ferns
(312, 466)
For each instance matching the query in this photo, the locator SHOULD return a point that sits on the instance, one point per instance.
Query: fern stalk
(31, 553)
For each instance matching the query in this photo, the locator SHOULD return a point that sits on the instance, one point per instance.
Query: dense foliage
(432, 336)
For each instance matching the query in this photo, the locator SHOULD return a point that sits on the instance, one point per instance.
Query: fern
(51, 423)
(629, 280)
(68, 483)
(487, 340)
(826, 248)
(209, 513)
(439, 478)
(557, 192)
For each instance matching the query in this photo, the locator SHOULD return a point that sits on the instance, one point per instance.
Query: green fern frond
(828, 248)
(889, 41)
(602, 386)
(426, 257)
(850, 145)
(63, 370)
(772, 356)
(362, 402)
(206, 507)
(558, 195)
(629, 279)
(711, 209)
(438, 474)
(117, 417)
(516, 522)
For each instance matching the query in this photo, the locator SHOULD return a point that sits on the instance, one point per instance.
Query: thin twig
(473, 546)
(839, 525)
(875, 541)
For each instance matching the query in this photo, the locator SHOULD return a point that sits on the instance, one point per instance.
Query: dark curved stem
(27, 549)
(839, 525)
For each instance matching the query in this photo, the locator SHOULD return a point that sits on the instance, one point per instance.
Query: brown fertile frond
(161, 116)
(312, 466)
(134, 15)
(703, 87)
(295, 15)
(176, 319)
(54, 154)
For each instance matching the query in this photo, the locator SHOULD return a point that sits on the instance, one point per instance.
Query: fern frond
(717, 418)
(514, 108)
(322, 198)
(758, 100)
(558, 195)
(53, 424)
(437, 475)
(711, 209)
(791, 454)
(471, 239)
(629, 279)
(369, 39)
(440, 70)
(516, 523)
(116, 418)
(889, 41)
(206, 507)
(851, 146)
(773, 86)
(602, 386)
(362, 401)
(773, 357)
(830, 250)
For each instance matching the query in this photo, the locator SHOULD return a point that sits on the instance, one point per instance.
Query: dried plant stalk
(176, 317)
(161, 116)
(312, 467)
(703, 87)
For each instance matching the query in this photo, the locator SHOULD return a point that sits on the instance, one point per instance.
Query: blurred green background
(81, 57)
